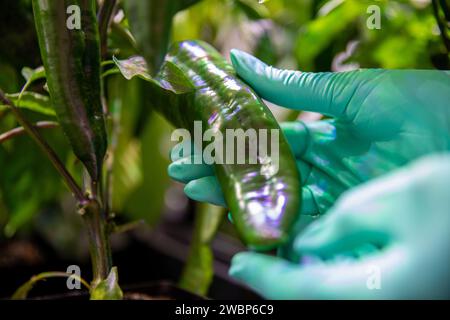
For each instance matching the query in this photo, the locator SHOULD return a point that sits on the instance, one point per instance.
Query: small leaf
(32, 101)
(23, 291)
(170, 78)
(133, 67)
(31, 75)
(108, 289)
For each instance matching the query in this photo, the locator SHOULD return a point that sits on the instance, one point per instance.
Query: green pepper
(196, 83)
(71, 59)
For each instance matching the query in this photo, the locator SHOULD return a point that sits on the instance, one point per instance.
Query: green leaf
(152, 172)
(133, 67)
(320, 32)
(23, 291)
(108, 289)
(18, 181)
(170, 78)
(151, 24)
(140, 162)
(198, 271)
(33, 101)
(253, 9)
(30, 76)
(121, 40)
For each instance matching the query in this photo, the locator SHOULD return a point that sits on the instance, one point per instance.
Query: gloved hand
(381, 120)
(386, 239)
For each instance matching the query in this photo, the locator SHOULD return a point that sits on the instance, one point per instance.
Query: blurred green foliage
(312, 35)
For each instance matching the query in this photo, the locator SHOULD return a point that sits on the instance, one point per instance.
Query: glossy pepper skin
(71, 59)
(263, 204)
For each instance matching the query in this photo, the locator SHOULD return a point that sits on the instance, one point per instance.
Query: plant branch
(105, 14)
(445, 9)
(51, 154)
(20, 130)
(441, 25)
(110, 161)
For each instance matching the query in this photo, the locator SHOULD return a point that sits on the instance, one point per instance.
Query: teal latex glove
(386, 239)
(381, 120)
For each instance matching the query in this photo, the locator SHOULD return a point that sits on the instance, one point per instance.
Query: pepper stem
(98, 235)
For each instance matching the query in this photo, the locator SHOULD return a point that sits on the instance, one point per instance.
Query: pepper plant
(73, 37)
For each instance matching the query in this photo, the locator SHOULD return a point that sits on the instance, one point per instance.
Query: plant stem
(40, 141)
(98, 234)
(114, 141)
(441, 24)
(20, 130)
(104, 19)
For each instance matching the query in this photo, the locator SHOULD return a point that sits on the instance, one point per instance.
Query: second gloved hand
(386, 239)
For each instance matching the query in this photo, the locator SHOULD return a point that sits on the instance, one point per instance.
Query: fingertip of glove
(238, 264)
(235, 55)
(244, 63)
(191, 190)
(308, 240)
(175, 171)
(196, 189)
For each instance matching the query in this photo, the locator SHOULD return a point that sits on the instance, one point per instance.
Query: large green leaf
(151, 24)
(320, 32)
(33, 101)
(198, 271)
(153, 165)
(19, 175)
(140, 161)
